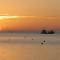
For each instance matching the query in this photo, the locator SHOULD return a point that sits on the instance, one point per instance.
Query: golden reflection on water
(29, 52)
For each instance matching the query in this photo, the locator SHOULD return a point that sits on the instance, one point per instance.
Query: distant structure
(43, 32)
(51, 32)
(47, 32)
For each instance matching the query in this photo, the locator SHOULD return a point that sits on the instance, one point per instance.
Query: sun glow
(0, 28)
(8, 17)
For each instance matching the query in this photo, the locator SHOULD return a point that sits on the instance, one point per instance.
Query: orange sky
(32, 15)
(29, 24)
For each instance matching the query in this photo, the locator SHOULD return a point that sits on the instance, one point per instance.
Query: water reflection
(29, 52)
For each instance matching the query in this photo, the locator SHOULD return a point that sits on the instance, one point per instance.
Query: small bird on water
(43, 42)
(32, 39)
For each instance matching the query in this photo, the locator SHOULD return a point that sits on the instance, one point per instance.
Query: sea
(29, 46)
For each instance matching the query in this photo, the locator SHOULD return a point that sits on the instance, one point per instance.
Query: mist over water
(29, 38)
(15, 46)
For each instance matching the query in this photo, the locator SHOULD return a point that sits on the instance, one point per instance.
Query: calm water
(28, 47)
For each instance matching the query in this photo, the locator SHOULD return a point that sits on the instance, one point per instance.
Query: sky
(29, 15)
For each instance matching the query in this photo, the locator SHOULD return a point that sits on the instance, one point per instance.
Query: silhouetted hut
(43, 32)
(51, 32)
